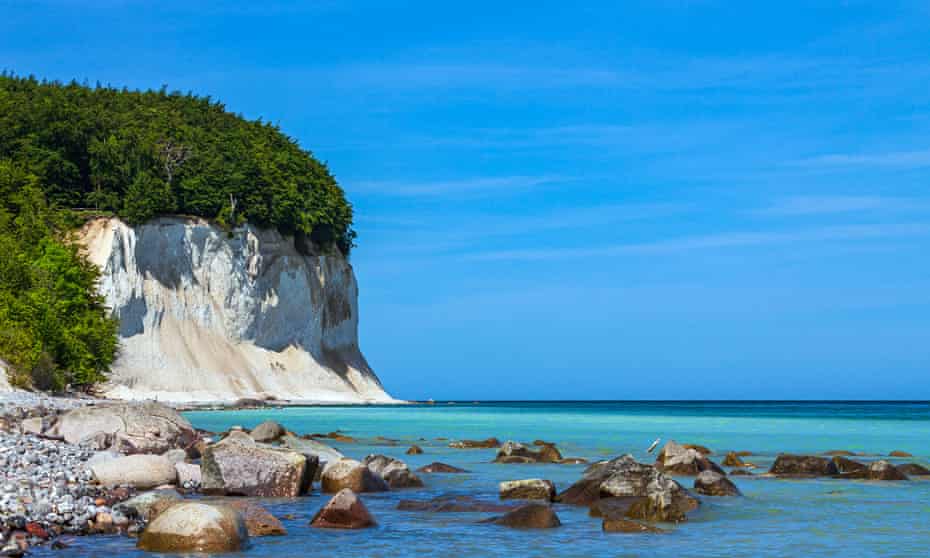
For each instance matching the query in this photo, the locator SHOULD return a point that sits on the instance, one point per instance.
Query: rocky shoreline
(76, 466)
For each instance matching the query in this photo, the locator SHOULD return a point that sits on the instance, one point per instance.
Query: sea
(774, 517)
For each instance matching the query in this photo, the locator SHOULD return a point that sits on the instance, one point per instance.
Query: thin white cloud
(469, 186)
(896, 159)
(820, 205)
(724, 240)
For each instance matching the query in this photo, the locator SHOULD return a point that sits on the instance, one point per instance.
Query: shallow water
(774, 517)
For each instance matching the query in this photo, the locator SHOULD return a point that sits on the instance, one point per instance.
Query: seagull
(653, 446)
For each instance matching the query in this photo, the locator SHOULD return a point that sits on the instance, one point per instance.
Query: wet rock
(414, 450)
(573, 461)
(899, 453)
(885, 471)
(733, 460)
(840, 453)
(848, 467)
(678, 459)
(587, 490)
(612, 507)
(476, 444)
(627, 526)
(514, 452)
(237, 466)
(527, 489)
(129, 428)
(195, 527)
(148, 505)
(452, 504)
(741, 473)
(787, 465)
(394, 471)
(344, 511)
(437, 467)
(258, 521)
(529, 516)
(913, 470)
(351, 474)
(660, 498)
(710, 483)
(139, 471)
(268, 431)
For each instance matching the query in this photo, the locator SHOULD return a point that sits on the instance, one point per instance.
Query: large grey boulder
(395, 472)
(238, 466)
(268, 431)
(325, 454)
(138, 471)
(195, 527)
(657, 496)
(127, 427)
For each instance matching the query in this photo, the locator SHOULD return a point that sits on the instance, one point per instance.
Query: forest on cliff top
(67, 150)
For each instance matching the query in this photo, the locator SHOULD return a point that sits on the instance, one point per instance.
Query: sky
(583, 200)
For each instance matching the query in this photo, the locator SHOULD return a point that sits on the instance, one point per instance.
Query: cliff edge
(207, 316)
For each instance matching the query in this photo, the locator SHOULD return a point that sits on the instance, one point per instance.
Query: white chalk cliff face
(205, 316)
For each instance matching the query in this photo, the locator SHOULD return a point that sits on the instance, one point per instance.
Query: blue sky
(612, 200)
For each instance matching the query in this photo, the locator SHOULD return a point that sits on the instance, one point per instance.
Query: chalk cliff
(210, 316)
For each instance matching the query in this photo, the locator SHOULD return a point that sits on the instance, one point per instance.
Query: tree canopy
(135, 154)
(140, 154)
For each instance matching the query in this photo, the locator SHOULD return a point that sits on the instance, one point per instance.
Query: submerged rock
(344, 511)
(195, 527)
(627, 526)
(913, 470)
(394, 471)
(710, 483)
(529, 516)
(437, 467)
(351, 474)
(414, 450)
(452, 504)
(899, 453)
(527, 489)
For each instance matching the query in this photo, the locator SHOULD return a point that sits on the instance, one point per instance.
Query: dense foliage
(67, 148)
(140, 154)
(54, 329)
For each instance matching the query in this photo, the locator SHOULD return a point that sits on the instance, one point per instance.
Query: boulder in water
(268, 431)
(394, 471)
(476, 444)
(437, 467)
(237, 466)
(344, 511)
(710, 483)
(677, 459)
(351, 474)
(787, 465)
(627, 526)
(529, 516)
(527, 489)
(195, 527)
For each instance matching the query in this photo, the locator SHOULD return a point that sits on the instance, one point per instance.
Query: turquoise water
(822, 517)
